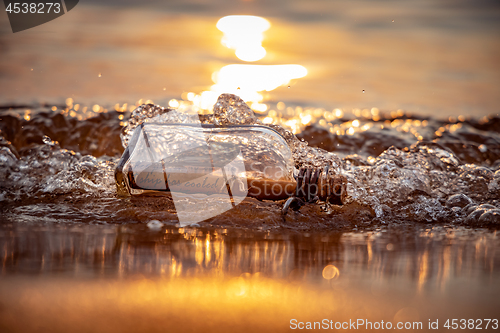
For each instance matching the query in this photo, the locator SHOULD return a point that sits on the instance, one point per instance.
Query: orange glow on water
(144, 280)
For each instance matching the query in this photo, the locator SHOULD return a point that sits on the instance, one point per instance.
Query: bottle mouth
(316, 183)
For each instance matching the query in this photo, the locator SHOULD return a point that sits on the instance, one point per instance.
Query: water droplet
(363, 91)
(288, 87)
(99, 75)
(483, 148)
(155, 225)
(46, 139)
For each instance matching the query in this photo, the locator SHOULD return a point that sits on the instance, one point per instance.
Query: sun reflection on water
(248, 80)
(244, 34)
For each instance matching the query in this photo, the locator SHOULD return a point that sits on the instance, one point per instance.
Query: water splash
(411, 183)
(402, 168)
(47, 170)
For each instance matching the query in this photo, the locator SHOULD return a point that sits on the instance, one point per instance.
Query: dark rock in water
(99, 135)
(470, 208)
(473, 218)
(494, 185)
(10, 124)
(8, 144)
(458, 200)
(484, 214)
(486, 206)
(368, 143)
(376, 141)
(490, 217)
(318, 137)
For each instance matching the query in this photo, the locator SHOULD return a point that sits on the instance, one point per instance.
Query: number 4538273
(34, 8)
(477, 324)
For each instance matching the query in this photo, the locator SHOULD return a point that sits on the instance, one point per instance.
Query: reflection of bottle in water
(199, 161)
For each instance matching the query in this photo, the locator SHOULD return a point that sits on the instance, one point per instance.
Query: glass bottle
(213, 167)
(205, 160)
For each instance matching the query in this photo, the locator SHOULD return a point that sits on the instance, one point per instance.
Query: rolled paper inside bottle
(208, 181)
(205, 181)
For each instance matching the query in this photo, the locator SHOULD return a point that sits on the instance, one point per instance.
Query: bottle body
(206, 160)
